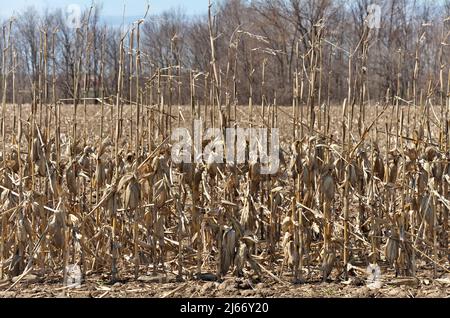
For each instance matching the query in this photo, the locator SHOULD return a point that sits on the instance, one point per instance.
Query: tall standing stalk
(346, 186)
(130, 81)
(295, 99)
(215, 79)
(5, 75)
(138, 89)
(114, 242)
(102, 86)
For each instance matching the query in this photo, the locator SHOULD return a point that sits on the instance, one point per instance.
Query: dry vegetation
(94, 185)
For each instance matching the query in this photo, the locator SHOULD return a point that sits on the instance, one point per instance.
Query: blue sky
(110, 7)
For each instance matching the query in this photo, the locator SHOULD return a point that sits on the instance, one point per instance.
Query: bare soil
(167, 286)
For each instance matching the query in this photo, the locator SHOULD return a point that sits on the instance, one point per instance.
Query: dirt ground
(167, 286)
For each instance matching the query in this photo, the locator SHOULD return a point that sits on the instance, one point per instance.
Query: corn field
(91, 181)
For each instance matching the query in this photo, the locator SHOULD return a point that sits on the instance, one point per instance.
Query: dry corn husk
(100, 174)
(73, 221)
(310, 172)
(410, 166)
(328, 186)
(254, 177)
(71, 178)
(190, 178)
(431, 153)
(295, 165)
(8, 200)
(411, 152)
(56, 229)
(73, 148)
(132, 194)
(392, 248)
(13, 162)
(231, 185)
(353, 175)
(418, 134)
(422, 180)
(109, 200)
(426, 209)
(55, 181)
(106, 143)
(84, 162)
(36, 201)
(437, 170)
(109, 171)
(287, 224)
(393, 171)
(40, 167)
(159, 228)
(160, 193)
(228, 249)
(291, 254)
(129, 160)
(21, 233)
(378, 165)
(243, 255)
(36, 152)
(248, 218)
(212, 164)
(329, 260)
(6, 180)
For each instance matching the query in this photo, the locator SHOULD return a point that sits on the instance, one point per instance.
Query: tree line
(266, 51)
